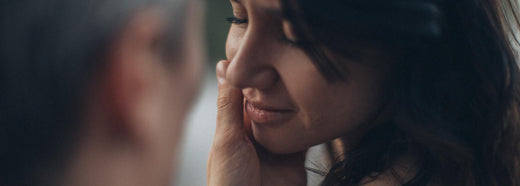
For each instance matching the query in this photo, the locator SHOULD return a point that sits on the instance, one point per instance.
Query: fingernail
(221, 71)
(221, 80)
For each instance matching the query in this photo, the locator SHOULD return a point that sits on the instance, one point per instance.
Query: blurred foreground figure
(94, 92)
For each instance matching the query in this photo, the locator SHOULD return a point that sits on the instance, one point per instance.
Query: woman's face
(289, 102)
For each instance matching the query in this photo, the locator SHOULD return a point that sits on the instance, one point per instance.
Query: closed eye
(235, 20)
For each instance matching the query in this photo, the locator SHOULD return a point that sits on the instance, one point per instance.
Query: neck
(99, 159)
(92, 165)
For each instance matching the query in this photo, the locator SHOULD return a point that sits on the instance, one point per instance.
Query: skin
(275, 73)
(254, 146)
(136, 108)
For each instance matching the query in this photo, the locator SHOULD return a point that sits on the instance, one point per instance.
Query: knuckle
(223, 103)
(230, 144)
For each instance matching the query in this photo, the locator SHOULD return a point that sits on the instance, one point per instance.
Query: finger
(247, 123)
(229, 103)
(208, 167)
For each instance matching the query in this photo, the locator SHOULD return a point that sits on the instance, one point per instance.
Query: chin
(279, 141)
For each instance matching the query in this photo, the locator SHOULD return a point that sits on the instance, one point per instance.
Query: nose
(251, 65)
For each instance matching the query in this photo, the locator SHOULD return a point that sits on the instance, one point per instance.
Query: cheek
(194, 70)
(329, 110)
(184, 81)
(180, 95)
(186, 85)
(187, 74)
(341, 109)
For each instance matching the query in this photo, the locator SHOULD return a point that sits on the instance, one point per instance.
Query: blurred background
(200, 126)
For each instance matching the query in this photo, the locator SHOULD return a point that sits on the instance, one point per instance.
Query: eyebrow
(274, 11)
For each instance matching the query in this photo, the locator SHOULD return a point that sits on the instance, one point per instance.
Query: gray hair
(49, 51)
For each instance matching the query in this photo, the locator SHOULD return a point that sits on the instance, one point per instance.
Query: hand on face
(235, 159)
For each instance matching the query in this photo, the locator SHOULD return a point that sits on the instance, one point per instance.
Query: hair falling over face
(456, 94)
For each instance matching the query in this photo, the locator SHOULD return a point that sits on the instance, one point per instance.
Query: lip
(262, 114)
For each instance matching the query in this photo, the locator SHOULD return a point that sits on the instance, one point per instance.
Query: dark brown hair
(456, 89)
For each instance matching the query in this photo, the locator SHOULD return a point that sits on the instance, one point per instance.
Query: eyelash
(235, 20)
(283, 38)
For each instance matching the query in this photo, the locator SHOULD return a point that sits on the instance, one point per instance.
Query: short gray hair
(49, 51)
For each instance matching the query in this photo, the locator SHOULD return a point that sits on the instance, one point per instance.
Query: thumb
(229, 103)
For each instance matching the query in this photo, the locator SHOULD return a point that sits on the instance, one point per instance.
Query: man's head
(94, 89)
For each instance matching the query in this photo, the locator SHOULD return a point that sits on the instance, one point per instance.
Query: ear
(132, 77)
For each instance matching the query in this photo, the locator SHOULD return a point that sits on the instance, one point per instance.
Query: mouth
(262, 114)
